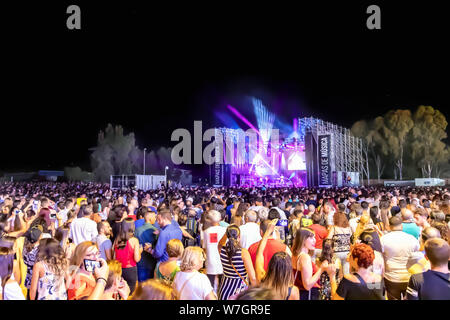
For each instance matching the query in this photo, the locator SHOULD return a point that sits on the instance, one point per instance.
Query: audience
(84, 241)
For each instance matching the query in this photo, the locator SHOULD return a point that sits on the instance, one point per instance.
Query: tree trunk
(430, 169)
(380, 168)
(400, 163)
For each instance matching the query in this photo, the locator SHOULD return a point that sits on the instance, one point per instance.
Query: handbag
(245, 281)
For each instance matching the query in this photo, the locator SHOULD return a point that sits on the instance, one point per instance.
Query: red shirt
(320, 233)
(273, 246)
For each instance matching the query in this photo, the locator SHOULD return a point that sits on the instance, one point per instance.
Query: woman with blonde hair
(153, 289)
(82, 281)
(168, 269)
(116, 288)
(49, 272)
(189, 284)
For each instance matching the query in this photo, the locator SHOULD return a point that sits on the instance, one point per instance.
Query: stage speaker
(312, 166)
(227, 175)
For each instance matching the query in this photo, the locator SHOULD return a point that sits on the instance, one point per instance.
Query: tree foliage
(117, 154)
(411, 143)
(76, 174)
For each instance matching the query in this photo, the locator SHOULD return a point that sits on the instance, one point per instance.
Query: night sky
(154, 69)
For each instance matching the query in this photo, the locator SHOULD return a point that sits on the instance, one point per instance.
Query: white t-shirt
(249, 234)
(330, 217)
(256, 208)
(398, 247)
(83, 229)
(211, 238)
(282, 213)
(12, 291)
(354, 223)
(196, 285)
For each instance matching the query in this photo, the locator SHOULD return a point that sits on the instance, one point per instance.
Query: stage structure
(316, 153)
(334, 156)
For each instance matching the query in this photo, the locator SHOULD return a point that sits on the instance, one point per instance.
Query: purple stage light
(240, 116)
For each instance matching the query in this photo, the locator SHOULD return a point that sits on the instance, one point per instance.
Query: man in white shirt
(211, 238)
(258, 205)
(354, 221)
(275, 204)
(398, 247)
(83, 229)
(329, 212)
(250, 230)
(68, 205)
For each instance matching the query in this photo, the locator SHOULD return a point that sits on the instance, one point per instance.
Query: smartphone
(282, 223)
(90, 265)
(53, 215)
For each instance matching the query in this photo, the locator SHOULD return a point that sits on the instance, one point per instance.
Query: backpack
(192, 229)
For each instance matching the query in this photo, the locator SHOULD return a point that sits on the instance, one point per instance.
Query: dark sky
(154, 69)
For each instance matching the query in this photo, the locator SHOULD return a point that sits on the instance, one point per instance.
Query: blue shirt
(145, 234)
(412, 229)
(156, 224)
(228, 211)
(167, 233)
(139, 223)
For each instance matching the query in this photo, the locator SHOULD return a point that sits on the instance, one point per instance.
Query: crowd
(67, 241)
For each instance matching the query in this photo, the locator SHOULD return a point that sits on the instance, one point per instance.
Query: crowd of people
(77, 241)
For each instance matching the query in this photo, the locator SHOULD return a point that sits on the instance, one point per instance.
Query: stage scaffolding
(346, 149)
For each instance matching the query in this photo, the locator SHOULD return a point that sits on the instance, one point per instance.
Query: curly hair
(364, 253)
(53, 255)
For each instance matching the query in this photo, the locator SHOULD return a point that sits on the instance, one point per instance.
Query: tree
(373, 143)
(114, 153)
(117, 154)
(76, 174)
(394, 128)
(428, 149)
(361, 129)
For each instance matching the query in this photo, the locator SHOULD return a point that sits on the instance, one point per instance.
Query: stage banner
(217, 173)
(324, 160)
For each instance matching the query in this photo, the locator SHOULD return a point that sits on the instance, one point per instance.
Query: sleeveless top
(238, 263)
(298, 276)
(170, 278)
(362, 290)
(80, 279)
(51, 286)
(341, 241)
(125, 256)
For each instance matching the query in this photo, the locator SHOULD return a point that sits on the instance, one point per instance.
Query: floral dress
(325, 283)
(51, 286)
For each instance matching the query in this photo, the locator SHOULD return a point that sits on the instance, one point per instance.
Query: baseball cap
(34, 233)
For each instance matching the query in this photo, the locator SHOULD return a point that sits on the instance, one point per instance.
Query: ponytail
(232, 245)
